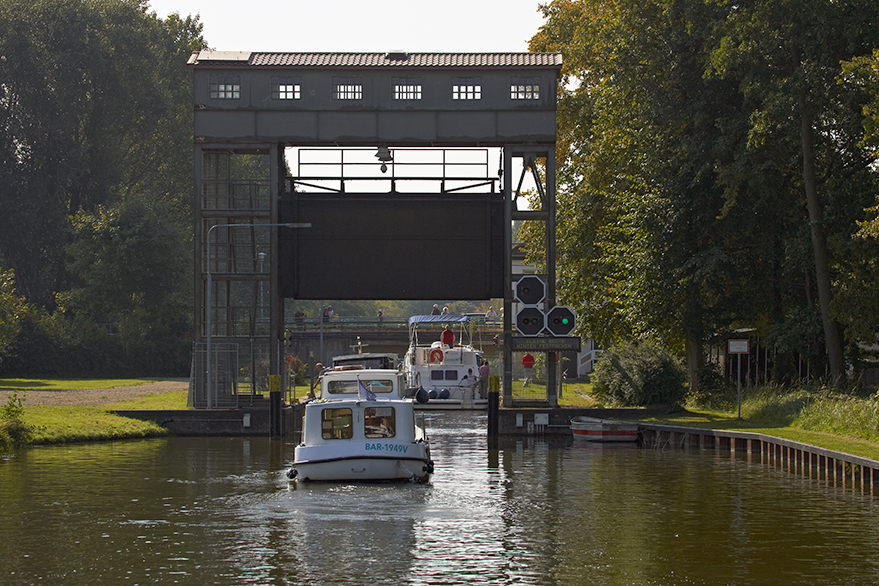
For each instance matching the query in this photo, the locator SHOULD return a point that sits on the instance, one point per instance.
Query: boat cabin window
(349, 387)
(443, 375)
(336, 424)
(380, 422)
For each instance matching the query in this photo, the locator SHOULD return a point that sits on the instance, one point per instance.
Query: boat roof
(438, 319)
(356, 371)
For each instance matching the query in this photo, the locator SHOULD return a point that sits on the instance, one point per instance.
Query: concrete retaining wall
(243, 421)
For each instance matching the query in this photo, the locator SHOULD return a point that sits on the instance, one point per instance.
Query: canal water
(220, 511)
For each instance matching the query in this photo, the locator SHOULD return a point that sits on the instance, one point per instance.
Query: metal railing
(337, 323)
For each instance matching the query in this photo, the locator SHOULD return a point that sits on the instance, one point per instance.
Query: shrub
(639, 374)
(14, 433)
(714, 391)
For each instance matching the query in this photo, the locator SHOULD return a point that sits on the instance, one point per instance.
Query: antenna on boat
(358, 346)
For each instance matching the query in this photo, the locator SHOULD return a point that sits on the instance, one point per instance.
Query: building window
(347, 88)
(286, 88)
(407, 88)
(524, 88)
(379, 422)
(225, 88)
(466, 88)
(336, 424)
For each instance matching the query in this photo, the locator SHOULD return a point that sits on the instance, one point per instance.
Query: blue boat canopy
(438, 319)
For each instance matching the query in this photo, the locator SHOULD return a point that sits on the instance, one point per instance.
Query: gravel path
(94, 396)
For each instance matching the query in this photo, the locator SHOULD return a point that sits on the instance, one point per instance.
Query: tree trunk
(819, 247)
(693, 346)
(693, 334)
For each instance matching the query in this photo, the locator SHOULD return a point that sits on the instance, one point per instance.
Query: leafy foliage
(12, 310)
(14, 433)
(682, 184)
(637, 375)
(95, 114)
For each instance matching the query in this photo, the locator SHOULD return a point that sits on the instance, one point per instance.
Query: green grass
(33, 384)
(817, 416)
(65, 423)
(172, 400)
(573, 394)
(51, 424)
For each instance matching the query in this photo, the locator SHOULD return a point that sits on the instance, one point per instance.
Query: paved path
(94, 396)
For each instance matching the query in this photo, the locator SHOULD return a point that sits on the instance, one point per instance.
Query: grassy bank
(78, 423)
(846, 422)
(818, 416)
(22, 424)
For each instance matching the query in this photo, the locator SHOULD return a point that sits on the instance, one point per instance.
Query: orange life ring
(436, 355)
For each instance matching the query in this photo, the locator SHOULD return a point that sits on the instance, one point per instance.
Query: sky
(415, 26)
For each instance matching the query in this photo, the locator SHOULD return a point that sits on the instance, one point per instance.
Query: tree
(786, 56)
(683, 212)
(132, 276)
(863, 72)
(642, 236)
(93, 104)
(12, 310)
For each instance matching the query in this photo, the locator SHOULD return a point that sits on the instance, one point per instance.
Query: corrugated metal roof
(355, 60)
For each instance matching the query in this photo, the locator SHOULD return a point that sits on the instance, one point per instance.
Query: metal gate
(224, 384)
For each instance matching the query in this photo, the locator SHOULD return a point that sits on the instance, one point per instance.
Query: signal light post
(561, 321)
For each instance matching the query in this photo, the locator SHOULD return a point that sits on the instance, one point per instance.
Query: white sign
(738, 346)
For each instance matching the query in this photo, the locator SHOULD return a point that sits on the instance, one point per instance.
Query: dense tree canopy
(93, 108)
(95, 112)
(710, 173)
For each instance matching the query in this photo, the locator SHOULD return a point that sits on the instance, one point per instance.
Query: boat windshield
(349, 387)
(380, 422)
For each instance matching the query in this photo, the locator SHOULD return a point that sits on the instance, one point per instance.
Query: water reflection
(219, 511)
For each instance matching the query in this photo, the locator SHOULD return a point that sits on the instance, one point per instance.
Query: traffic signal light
(530, 290)
(530, 321)
(288, 338)
(560, 321)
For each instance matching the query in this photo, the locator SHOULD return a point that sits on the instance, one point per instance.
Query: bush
(714, 391)
(639, 374)
(14, 433)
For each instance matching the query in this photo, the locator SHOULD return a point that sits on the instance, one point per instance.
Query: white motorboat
(446, 369)
(603, 430)
(361, 428)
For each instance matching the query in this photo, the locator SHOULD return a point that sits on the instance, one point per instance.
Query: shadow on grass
(780, 412)
(22, 384)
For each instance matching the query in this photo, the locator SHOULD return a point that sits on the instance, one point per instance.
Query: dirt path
(94, 396)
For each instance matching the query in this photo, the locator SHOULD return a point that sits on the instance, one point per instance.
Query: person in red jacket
(527, 364)
(447, 338)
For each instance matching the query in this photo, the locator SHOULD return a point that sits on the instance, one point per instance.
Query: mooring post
(275, 406)
(494, 384)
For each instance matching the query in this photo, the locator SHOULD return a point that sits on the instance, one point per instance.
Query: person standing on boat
(528, 365)
(435, 310)
(447, 338)
(471, 381)
(484, 373)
